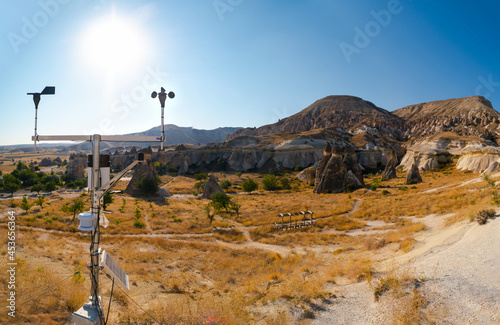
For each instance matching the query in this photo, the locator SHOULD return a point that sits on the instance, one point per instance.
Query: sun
(114, 45)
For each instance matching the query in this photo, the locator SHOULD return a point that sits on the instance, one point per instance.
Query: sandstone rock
(76, 166)
(351, 164)
(211, 187)
(307, 175)
(351, 181)
(332, 173)
(143, 170)
(491, 168)
(477, 163)
(390, 169)
(413, 176)
(163, 192)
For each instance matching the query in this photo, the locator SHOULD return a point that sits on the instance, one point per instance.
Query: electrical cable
(110, 297)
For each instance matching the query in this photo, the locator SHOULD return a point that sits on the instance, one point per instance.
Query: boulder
(413, 176)
(211, 187)
(307, 175)
(163, 192)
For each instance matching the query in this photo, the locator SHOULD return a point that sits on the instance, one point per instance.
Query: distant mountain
(345, 112)
(467, 116)
(173, 135)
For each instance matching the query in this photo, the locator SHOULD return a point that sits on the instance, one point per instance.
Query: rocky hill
(467, 116)
(346, 112)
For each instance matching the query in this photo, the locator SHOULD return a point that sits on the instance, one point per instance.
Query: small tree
(25, 205)
(285, 183)
(270, 183)
(235, 206)
(50, 186)
(220, 201)
(40, 200)
(76, 206)
(11, 184)
(249, 185)
(107, 199)
(225, 184)
(148, 185)
(208, 208)
(37, 188)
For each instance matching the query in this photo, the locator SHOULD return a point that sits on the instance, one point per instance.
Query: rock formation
(468, 116)
(390, 168)
(307, 175)
(211, 187)
(345, 112)
(145, 170)
(413, 176)
(333, 175)
(76, 166)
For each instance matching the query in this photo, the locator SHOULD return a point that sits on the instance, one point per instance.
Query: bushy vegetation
(249, 185)
(483, 216)
(148, 185)
(270, 183)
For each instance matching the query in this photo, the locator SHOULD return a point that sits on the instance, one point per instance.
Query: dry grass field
(182, 272)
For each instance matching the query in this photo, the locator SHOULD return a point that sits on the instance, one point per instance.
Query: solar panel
(115, 270)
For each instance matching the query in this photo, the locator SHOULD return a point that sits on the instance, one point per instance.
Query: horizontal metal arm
(109, 138)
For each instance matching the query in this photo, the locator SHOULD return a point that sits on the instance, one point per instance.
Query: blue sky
(234, 62)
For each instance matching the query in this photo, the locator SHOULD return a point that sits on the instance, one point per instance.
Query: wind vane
(49, 90)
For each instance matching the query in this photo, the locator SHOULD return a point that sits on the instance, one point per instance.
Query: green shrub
(249, 185)
(225, 184)
(200, 176)
(139, 224)
(270, 183)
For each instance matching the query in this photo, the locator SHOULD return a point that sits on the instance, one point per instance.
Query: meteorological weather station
(92, 312)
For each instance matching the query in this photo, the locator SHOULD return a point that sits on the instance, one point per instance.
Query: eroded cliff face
(246, 153)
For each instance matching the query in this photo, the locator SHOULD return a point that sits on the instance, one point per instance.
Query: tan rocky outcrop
(307, 175)
(333, 174)
(212, 186)
(76, 166)
(413, 176)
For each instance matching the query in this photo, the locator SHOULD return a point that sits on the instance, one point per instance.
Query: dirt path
(461, 264)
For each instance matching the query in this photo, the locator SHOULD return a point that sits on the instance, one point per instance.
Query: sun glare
(114, 45)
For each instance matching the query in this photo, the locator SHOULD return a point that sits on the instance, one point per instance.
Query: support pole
(94, 246)
(36, 118)
(162, 129)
